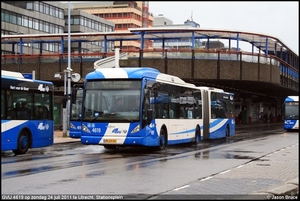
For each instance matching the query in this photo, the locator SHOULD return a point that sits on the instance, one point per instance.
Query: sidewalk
(60, 138)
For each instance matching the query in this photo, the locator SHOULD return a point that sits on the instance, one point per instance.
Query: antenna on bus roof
(117, 57)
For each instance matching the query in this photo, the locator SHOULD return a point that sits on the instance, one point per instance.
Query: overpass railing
(210, 54)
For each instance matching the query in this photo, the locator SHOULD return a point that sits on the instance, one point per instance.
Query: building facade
(49, 17)
(31, 17)
(124, 14)
(175, 44)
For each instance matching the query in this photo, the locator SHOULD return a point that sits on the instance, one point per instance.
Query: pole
(64, 104)
(69, 51)
(66, 110)
(69, 62)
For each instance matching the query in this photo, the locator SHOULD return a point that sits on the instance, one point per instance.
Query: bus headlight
(136, 129)
(72, 126)
(85, 129)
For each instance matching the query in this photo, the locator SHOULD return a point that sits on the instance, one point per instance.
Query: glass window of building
(14, 19)
(25, 21)
(29, 5)
(76, 20)
(47, 9)
(6, 16)
(36, 6)
(30, 23)
(19, 20)
(41, 7)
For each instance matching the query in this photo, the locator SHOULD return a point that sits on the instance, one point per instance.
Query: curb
(290, 188)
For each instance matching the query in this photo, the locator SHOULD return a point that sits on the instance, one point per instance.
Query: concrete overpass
(265, 77)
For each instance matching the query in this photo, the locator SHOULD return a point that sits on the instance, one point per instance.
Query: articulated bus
(26, 113)
(291, 113)
(157, 109)
(75, 111)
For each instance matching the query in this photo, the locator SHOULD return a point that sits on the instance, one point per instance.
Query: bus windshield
(292, 110)
(112, 100)
(76, 105)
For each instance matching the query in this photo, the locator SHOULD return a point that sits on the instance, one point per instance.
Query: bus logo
(42, 88)
(43, 127)
(116, 131)
(152, 125)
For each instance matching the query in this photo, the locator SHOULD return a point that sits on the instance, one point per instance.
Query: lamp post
(67, 76)
(66, 109)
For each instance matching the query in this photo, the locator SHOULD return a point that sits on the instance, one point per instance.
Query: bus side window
(171, 113)
(182, 114)
(46, 112)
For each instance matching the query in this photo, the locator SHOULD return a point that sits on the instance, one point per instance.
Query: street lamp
(67, 72)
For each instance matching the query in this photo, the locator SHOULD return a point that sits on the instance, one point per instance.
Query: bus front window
(291, 111)
(113, 104)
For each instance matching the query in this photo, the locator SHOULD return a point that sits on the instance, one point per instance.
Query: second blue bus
(75, 111)
(291, 113)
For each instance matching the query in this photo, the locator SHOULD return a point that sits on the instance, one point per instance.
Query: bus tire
(23, 143)
(163, 141)
(197, 136)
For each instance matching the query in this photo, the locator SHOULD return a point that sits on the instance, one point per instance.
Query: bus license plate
(110, 141)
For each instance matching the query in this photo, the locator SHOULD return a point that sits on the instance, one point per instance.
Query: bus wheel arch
(24, 142)
(163, 138)
(197, 135)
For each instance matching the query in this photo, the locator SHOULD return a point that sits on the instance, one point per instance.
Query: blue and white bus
(75, 111)
(158, 109)
(291, 113)
(26, 113)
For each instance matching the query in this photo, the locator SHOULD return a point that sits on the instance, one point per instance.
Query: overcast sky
(278, 19)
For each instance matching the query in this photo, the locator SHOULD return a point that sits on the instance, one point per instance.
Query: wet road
(73, 168)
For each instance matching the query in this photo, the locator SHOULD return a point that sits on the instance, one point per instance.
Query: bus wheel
(197, 136)
(163, 140)
(23, 143)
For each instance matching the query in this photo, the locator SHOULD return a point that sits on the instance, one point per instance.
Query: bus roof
(136, 73)
(11, 74)
(18, 76)
(292, 98)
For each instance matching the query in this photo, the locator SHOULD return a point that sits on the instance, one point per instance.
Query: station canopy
(261, 41)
